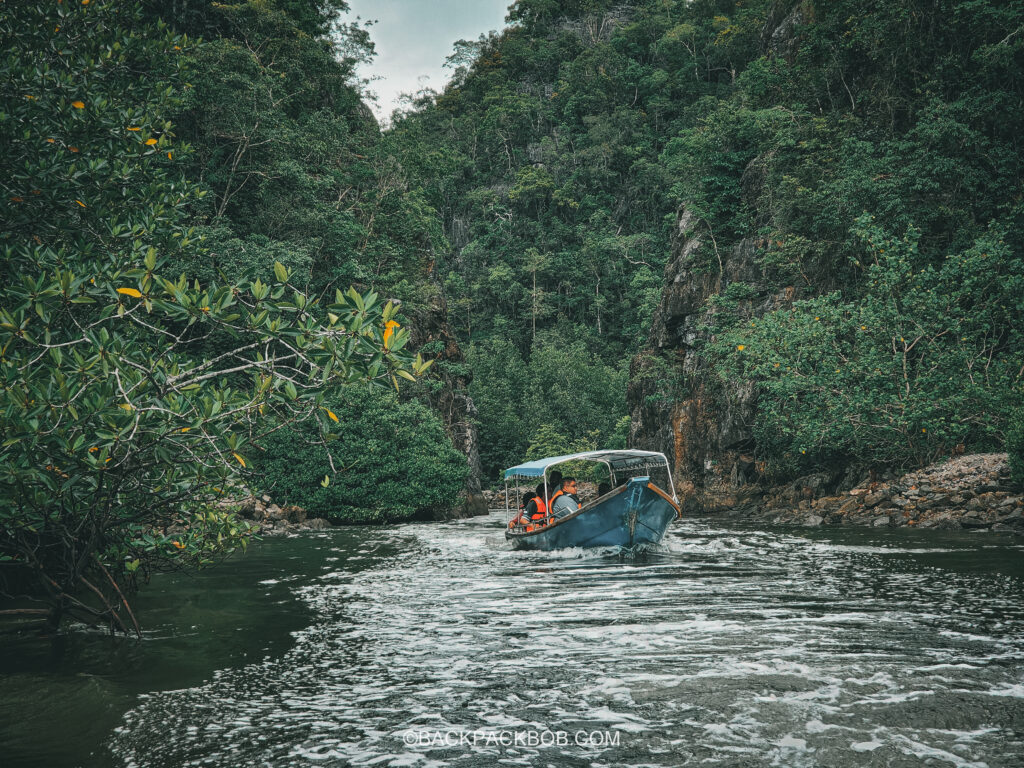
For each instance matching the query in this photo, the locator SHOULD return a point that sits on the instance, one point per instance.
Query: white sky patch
(413, 38)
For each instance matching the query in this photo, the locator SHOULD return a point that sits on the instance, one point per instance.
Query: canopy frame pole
(508, 516)
(671, 482)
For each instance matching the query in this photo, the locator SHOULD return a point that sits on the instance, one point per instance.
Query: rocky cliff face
(677, 406)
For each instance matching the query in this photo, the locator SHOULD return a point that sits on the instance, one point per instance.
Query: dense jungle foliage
(868, 152)
(163, 309)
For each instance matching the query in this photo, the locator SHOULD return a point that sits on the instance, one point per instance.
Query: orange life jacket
(540, 509)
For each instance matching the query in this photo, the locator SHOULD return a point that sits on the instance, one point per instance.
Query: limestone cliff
(677, 406)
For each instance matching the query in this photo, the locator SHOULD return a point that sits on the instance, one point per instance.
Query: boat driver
(564, 501)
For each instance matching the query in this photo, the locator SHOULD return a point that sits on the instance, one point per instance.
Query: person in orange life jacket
(522, 518)
(536, 510)
(564, 502)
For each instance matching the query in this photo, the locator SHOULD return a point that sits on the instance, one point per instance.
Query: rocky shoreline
(274, 519)
(972, 492)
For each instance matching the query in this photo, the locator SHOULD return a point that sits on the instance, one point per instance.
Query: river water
(429, 645)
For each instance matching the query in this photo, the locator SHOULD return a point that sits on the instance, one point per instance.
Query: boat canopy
(617, 460)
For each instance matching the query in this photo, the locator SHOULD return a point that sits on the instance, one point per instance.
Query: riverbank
(967, 492)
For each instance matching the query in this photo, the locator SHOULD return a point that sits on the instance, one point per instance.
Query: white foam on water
(929, 753)
(866, 746)
(1012, 690)
(725, 646)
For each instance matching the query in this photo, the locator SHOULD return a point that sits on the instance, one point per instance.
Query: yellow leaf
(130, 292)
(168, 155)
(741, 347)
(133, 128)
(150, 142)
(331, 414)
(185, 429)
(78, 104)
(239, 459)
(80, 203)
(389, 329)
(126, 406)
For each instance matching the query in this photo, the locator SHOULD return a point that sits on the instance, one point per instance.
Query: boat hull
(636, 514)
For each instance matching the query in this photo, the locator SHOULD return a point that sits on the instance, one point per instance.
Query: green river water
(434, 644)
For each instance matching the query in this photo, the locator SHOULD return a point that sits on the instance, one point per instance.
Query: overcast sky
(413, 37)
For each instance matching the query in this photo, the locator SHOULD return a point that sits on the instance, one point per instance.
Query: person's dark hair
(540, 490)
(555, 478)
(603, 487)
(527, 498)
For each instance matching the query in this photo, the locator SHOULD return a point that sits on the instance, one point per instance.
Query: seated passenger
(564, 501)
(536, 510)
(522, 518)
(604, 487)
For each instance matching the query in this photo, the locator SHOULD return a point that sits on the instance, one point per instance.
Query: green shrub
(1015, 445)
(391, 461)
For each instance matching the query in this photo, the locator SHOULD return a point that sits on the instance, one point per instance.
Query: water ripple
(725, 646)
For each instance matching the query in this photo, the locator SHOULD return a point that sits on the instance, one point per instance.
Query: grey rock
(972, 521)
(880, 521)
(813, 520)
(874, 499)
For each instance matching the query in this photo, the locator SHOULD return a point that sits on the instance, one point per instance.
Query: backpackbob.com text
(480, 738)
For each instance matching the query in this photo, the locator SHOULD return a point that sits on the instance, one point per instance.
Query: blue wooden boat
(635, 513)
